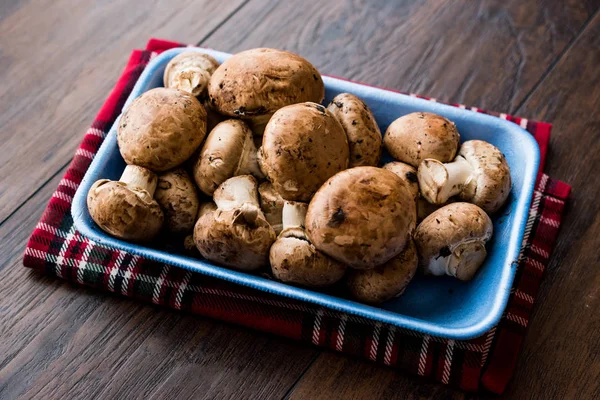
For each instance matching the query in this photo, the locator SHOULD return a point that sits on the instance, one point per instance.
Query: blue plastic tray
(438, 306)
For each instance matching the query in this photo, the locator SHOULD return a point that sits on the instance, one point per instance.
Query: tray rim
(377, 315)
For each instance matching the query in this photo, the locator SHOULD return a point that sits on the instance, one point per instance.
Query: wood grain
(58, 61)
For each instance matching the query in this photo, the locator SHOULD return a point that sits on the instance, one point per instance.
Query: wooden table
(58, 61)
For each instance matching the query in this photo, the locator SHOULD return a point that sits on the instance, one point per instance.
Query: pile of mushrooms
(243, 165)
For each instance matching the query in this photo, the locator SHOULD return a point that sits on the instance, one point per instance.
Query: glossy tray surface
(438, 306)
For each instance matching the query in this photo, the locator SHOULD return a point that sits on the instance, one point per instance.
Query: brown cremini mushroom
(386, 281)
(479, 175)
(271, 203)
(294, 259)
(253, 84)
(303, 146)
(451, 241)
(125, 208)
(228, 151)
(190, 72)
(189, 245)
(177, 196)
(362, 216)
(420, 135)
(236, 234)
(161, 129)
(364, 136)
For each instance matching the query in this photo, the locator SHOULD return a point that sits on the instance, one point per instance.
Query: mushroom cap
(296, 260)
(303, 146)
(386, 281)
(161, 129)
(124, 212)
(420, 135)
(271, 203)
(491, 183)
(238, 238)
(190, 72)
(255, 83)
(407, 173)
(364, 136)
(362, 216)
(177, 196)
(451, 240)
(223, 153)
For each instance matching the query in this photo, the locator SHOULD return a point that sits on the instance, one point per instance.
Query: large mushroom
(253, 84)
(303, 146)
(294, 259)
(479, 175)
(420, 135)
(228, 151)
(364, 136)
(190, 72)
(386, 281)
(271, 203)
(236, 234)
(125, 208)
(362, 216)
(161, 129)
(451, 241)
(177, 196)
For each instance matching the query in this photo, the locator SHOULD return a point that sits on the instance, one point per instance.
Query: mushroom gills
(439, 181)
(460, 262)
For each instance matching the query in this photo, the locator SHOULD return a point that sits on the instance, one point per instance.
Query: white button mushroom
(364, 136)
(228, 151)
(479, 175)
(420, 135)
(386, 281)
(236, 234)
(190, 72)
(451, 241)
(303, 146)
(362, 216)
(177, 196)
(271, 204)
(125, 208)
(294, 259)
(161, 129)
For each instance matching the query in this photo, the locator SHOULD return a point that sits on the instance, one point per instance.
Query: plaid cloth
(487, 362)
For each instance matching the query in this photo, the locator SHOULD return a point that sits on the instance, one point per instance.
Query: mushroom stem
(235, 192)
(294, 214)
(248, 164)
(440, 181)
(139, 177)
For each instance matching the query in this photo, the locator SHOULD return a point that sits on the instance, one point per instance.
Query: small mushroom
(228, 151)
(420, 135)
(451, 241)
(177, 196)
(294, 259)
(407, 173)
(362, 216)
(236, 234)
(386, 281)
(190, 72)
(271, 203)
(479, 175)
(364, 136)
(125, 208)
(161, 129)
(188, 243)
(303, 146)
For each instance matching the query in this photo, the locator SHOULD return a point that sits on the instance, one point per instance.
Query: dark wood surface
(59, 59)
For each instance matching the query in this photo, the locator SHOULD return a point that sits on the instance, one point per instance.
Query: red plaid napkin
(56, 248)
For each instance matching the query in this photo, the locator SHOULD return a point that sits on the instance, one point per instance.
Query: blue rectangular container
(442, 307)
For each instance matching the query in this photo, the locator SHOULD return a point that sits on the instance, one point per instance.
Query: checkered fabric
(57, 249)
